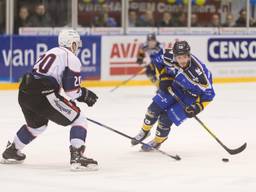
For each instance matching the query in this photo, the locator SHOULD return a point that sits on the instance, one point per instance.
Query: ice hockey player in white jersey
(40, 101)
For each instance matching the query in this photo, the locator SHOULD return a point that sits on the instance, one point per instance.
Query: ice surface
(231, 116)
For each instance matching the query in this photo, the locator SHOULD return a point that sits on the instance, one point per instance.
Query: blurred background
(221, 32)
(17, 14)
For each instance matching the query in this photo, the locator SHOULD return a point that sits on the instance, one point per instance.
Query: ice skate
(80, 163)
(140, 137)
(11, 155)
(150, 146)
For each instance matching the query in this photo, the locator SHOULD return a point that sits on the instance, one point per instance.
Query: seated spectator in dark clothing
(215, 21)
(103, 19)
(146, 20)
(229, 21)
(194, 21)
(182, 20)
(241, 21)
(132, 22)
(2, 16)
(40, 18)
(23, 18)
(166, 21)
(1, 28)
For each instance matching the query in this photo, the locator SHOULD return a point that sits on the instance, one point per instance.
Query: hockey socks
(77, 136)
(27, 134)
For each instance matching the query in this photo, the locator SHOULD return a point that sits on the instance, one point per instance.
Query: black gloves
(140, 60)
(193, 109)
(88, 97)
(164, 85)
(140, 57)
(165, 82)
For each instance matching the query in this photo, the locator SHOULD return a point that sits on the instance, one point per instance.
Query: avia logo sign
(123, 57)
(126, 51)
(231, 49)
(123, 50)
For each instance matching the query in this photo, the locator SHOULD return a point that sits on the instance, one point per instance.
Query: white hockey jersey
(62, 65)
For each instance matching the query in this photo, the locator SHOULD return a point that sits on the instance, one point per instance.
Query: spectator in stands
(60, 12)
(229, 21)
(252, 22)
(1, 28)
(182, 20)
(40, 18)
(23, 19)
(166, 21)
(103, 19)
(215, 21)
(194, 21)
(132, 19)
(146, 20)
(2, 17)
(241, 21)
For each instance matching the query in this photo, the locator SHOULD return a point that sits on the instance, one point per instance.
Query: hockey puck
(225, 160)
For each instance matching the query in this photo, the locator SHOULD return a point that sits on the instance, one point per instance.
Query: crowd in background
(2, 16)
(35, 13)
(168, 20)
(40, 18)
(205, 13)
(106, 13)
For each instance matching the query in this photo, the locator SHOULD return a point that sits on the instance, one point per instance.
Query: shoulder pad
(74, 64)
(196, 74)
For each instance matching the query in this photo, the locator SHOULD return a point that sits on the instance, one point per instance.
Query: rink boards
(108, 60)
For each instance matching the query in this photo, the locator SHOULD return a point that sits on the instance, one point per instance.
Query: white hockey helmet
(69, 36)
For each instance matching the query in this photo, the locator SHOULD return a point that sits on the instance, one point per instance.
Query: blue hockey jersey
(192, 84)
(195, 80)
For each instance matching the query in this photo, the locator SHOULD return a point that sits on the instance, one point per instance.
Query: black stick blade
(177, 157)
(236, 151)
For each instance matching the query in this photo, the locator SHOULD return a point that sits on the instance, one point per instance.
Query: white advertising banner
(225, 56)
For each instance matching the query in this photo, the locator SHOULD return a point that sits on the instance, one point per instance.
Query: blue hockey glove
(193, 109)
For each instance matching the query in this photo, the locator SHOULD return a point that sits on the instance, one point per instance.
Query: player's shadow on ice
(47, 167)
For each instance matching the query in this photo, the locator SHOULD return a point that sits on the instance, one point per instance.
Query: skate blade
(10, 161)
(149, 150)
(76, 167)
(146, 151)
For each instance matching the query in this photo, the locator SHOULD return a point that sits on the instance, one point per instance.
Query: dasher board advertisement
(225, 56)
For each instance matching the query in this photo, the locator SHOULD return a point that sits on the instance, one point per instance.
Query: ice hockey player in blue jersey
(150, 47)
(190, 80)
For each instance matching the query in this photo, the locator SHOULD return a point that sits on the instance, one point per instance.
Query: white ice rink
(231, 116)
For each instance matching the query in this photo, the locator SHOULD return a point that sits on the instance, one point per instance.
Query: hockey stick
(176, 157)
(230, 151)
(130, 78)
